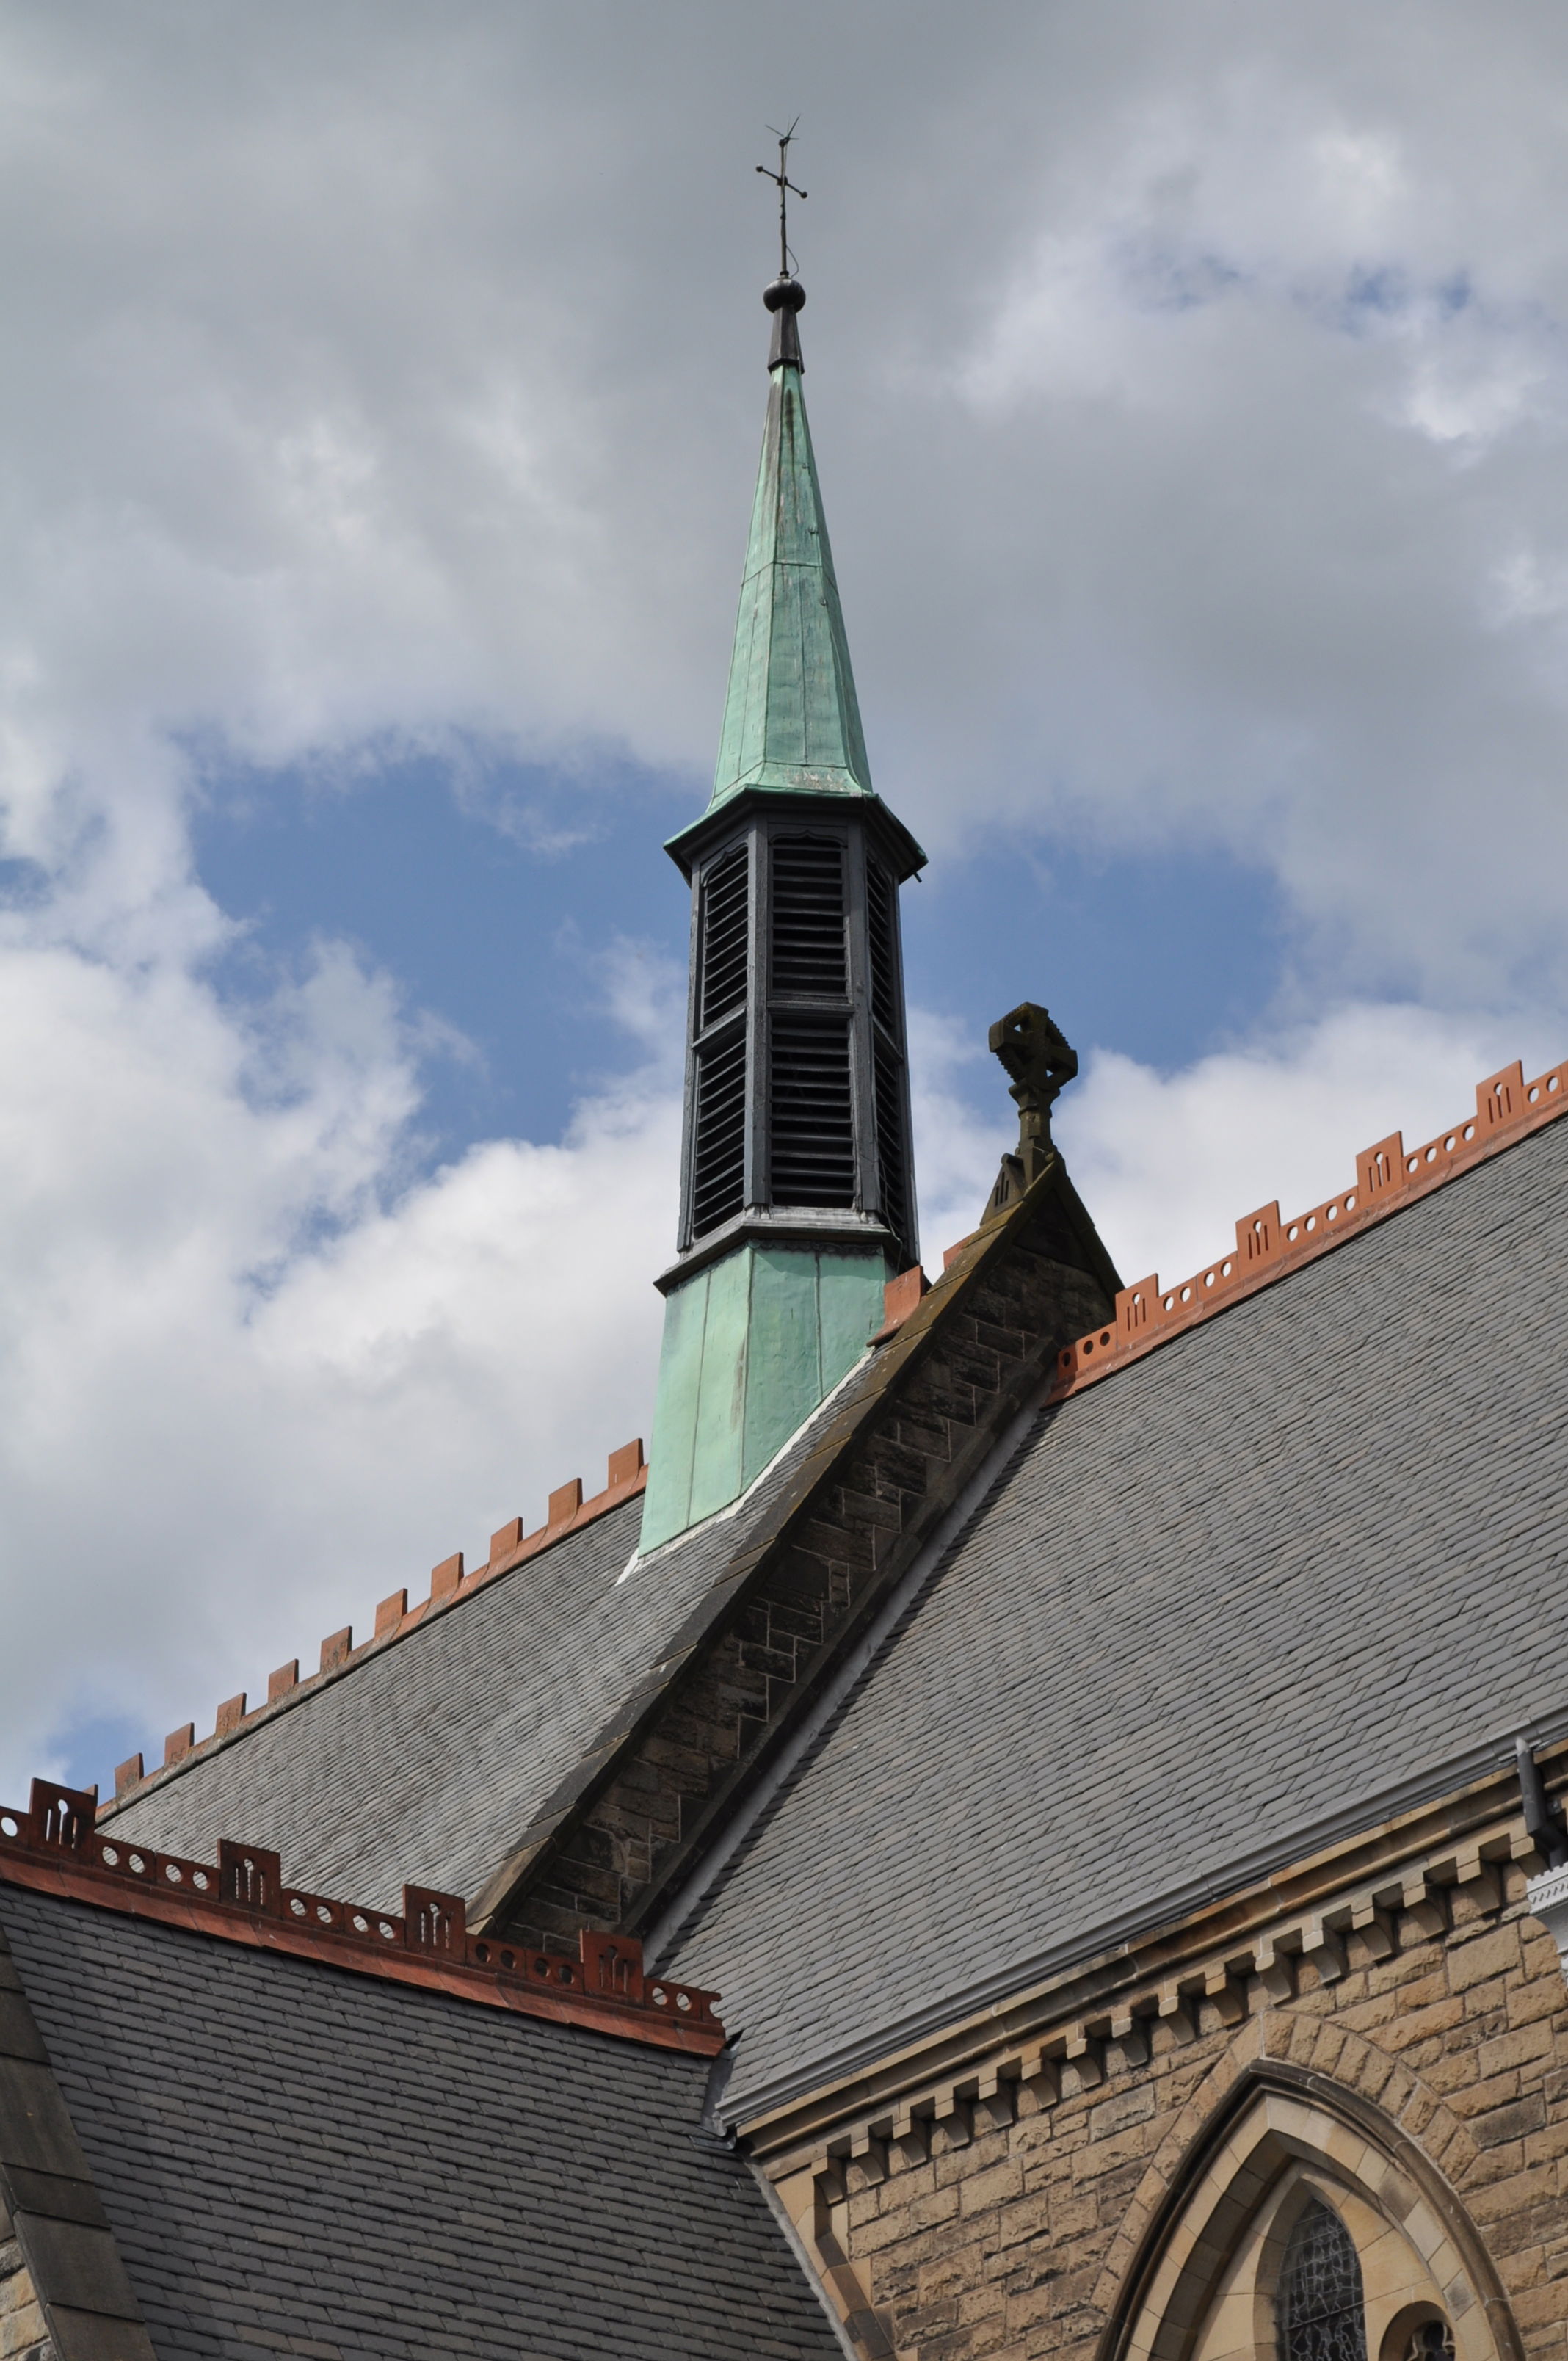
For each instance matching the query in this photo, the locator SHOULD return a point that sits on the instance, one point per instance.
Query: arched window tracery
(1321, 2310)
(1301, 2239)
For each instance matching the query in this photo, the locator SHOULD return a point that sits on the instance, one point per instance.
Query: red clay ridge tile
(337, 1649)
(54, 1847)
(1387, 1176)
(625, 1465)
(503, 1542)
(900, 1297)
(627, 1475)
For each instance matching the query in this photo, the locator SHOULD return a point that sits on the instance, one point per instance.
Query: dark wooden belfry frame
(867, 832)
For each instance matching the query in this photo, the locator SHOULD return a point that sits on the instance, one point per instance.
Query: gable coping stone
(49, 2202)
(677, 1781)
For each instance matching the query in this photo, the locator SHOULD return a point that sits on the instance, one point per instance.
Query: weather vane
(785, 187)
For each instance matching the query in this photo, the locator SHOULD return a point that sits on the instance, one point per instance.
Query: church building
(1029, 1825)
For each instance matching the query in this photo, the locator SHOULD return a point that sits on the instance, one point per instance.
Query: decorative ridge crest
(55, 1847)
(1387, 1177)
(626, 1475)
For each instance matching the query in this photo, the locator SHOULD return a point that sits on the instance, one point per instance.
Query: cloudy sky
(376, 435)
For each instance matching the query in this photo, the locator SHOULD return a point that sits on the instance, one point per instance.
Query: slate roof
(1307, 1552)
(424, 1759)
(294, 2160)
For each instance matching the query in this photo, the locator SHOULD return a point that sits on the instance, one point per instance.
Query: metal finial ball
(787, 294)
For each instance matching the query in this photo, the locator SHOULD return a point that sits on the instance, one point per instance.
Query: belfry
(797, 1196)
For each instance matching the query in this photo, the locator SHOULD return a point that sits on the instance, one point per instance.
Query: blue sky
(496, 931)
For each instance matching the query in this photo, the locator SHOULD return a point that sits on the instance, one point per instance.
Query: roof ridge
(567, 1512)
(1388, 1177)
(54, 1847)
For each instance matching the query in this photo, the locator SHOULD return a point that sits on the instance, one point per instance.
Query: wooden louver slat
(809, 959)
(722, 969)
(718, 1174)
(813, 1122)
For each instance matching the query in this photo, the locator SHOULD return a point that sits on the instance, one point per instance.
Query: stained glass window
(1431, 2341)
(1321, 2313)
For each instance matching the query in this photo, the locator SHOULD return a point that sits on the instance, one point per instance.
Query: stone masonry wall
(1007, 2229)
(23, 2335)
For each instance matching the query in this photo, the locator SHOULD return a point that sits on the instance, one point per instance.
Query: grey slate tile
(425, 1761)
(1288, 1562)
(390, 2173)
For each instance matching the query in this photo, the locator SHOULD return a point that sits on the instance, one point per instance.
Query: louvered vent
(723, 933)
(813, 1122)
(892, 1146)
(879, 910)
(719, 1160)
(808, 918)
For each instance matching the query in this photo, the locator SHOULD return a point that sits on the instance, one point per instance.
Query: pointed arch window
(1322, 2314)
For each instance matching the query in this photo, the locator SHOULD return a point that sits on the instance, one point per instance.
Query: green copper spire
(792, 722)
(797, 1199)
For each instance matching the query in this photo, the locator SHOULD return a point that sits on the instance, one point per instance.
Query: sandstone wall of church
(1007, 2227)
(23, 2335)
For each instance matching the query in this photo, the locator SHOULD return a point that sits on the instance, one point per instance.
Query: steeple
(792, 721)
(797, 1197)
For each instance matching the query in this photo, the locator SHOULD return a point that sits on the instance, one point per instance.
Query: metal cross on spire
(786, 188)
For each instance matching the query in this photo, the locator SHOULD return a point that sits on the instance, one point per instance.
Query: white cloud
(249, 1383)
(372, 380)
(1194, 417)
(1168, 1163)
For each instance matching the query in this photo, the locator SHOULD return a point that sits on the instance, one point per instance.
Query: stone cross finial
(1040, 1061)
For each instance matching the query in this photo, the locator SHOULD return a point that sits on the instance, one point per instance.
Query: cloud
(1191, 393)
(253, 1375)
(1169, 1162)
(362, 395)
(249, 1383)
(258, 1369)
